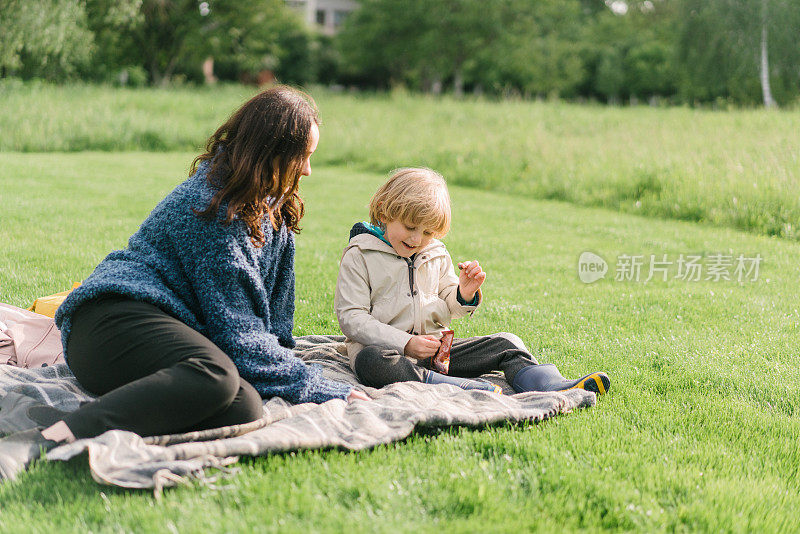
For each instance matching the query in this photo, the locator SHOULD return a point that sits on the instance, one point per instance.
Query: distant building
(325, 15)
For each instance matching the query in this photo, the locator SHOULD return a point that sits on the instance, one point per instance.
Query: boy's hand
(470, 279)
(421, 347)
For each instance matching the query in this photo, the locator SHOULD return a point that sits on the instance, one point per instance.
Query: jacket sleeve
(448, 291)
(237, 314)
(353, 306)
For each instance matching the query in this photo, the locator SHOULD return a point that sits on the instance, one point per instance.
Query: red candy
(441, 362)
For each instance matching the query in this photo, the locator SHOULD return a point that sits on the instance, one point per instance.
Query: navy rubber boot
(464, 383)
(546, 377)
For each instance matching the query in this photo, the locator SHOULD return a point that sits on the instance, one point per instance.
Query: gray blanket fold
(124, 459)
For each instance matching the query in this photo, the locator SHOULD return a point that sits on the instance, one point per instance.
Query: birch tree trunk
(458, 83)
(769, 102)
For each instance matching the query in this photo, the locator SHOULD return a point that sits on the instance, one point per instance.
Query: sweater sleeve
(352, 304)
(281, 308)
(236, 313)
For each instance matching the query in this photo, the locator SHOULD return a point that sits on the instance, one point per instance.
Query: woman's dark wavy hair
(256, 159)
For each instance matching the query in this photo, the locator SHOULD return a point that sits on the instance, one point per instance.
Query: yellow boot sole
(595, 382)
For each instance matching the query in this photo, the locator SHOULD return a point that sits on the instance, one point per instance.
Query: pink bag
(28, 339)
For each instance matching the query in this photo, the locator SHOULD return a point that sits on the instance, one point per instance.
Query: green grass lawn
(699, 431)
(738, 169)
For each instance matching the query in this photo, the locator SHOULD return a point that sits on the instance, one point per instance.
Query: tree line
(677, 51)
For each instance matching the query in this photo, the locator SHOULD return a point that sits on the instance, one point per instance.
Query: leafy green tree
(261, 35)
(420, 43)
(112, 23)
(162, 38)
(610, 75)
(648, 68)
(529, 46)
(740, 49)
(541, 51)
(633, 53)
(325, 59)
(169, 37)
(46, 39)
(381, 43)
(458, 31)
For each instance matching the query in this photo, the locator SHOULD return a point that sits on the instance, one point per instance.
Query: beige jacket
(383, 300)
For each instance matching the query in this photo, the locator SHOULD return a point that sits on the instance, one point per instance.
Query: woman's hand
(421, 347)
(357, 395)
(470, 279)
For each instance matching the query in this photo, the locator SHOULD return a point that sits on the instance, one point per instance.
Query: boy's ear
(380, 221)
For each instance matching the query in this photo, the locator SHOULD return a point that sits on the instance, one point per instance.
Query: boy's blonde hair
(416, 196)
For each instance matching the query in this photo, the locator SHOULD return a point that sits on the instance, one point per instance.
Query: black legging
(154, 374)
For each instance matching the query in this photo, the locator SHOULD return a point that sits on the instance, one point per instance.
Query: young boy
(397, 291)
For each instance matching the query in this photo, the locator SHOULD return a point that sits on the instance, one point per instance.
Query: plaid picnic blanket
(125, 459)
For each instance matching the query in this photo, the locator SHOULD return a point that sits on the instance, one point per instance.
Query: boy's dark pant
(154, 374)
(469, 358)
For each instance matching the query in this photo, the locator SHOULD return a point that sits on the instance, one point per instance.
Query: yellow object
(49, 304)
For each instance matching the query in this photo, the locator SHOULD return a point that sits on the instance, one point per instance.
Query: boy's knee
(377, 367)
(510, 341)
(367, 364)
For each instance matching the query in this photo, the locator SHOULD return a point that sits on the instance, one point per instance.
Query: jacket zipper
(410, 264)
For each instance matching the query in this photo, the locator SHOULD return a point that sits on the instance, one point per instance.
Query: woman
(190, 326)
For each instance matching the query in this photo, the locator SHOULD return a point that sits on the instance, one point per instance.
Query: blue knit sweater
(210, 276)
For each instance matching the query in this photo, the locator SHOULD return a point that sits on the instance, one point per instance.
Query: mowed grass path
(699, 432)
